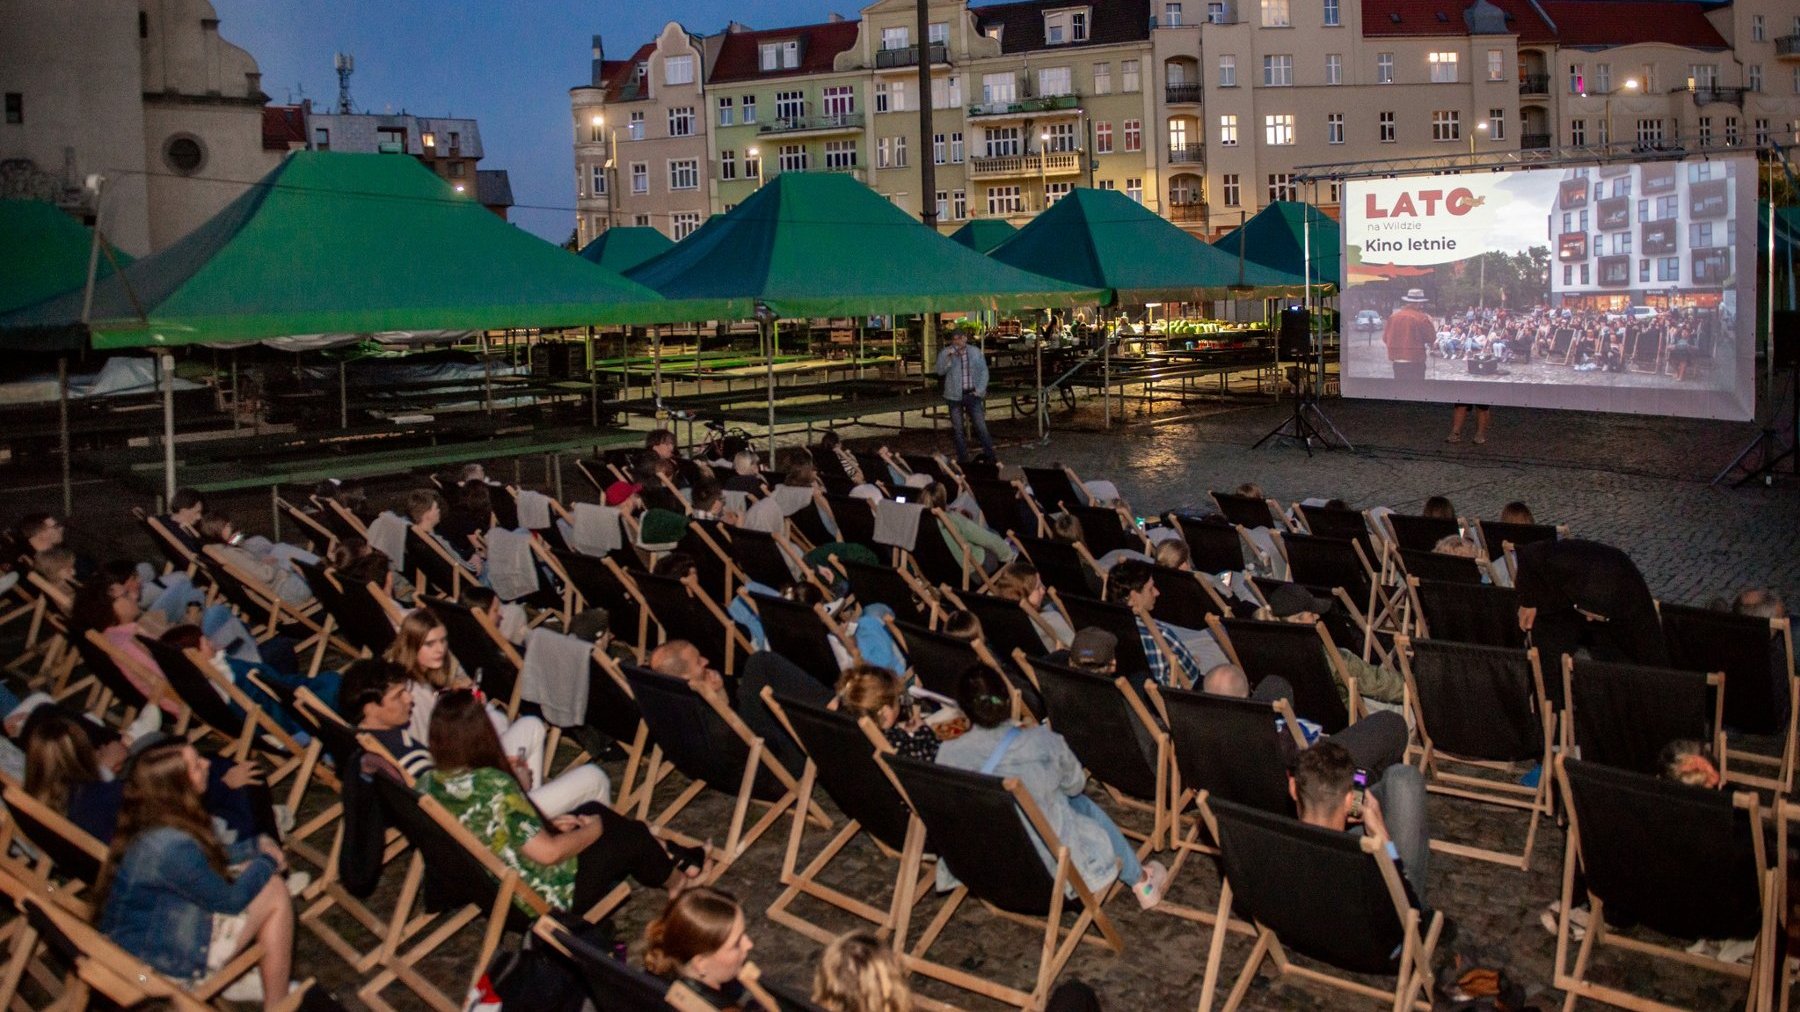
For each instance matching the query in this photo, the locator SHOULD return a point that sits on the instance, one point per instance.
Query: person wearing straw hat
(1410, 331)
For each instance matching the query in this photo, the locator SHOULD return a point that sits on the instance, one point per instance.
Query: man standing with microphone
(965, 374)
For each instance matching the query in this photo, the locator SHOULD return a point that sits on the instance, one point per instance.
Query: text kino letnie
(1404, 213)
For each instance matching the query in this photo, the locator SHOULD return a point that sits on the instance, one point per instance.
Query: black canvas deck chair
(485, 656)
(700, 737)
(1440, 566)
(1756, 654)
(1466, 613)
(1622, 715)
(807, 525)
(760, 557)
(266, 614)
(1228, 748)
(319, 538)
(613, 711)
(1185, 598)
(937, 659)
(1249, 511)
(1419, 533)
(875, 470)
(213, 704)
(107, 665)
(910, 599)
(355, 614)
(1105, 722)
(1005, 507)
(1056, 488)
(179, 558)
(1332, 897)
(1341, 524)
(342, 522)
(1501, 540)
(856, 521)
(1006, 626)
(840, 761)
(1213, 547)
(1304, 655)
(708, 545)
(803, 634)
(1699, 868)
(1063, 567)
(930, 465)
(1482, 710)
(1103, 530)
(67, 855)
(611, 984)
(598, 583)
(936, 562)
(435, 569)
(1121, 621)
(1352, 578)
(984, 830)
(682, 611)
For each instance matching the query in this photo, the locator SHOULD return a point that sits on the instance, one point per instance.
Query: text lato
(1458, 202)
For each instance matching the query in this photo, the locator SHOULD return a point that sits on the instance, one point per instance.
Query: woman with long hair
(170, 895)
(868, 691)
(108, 605)
(700, 940)
(571, 860)
(1020, 581)
(860, 973)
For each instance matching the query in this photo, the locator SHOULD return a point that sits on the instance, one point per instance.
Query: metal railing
(1045, 103)
(1194, 210)
(1707, 94)
(1788, 45)
(1534, 84)
(1187, 154)
(909, 56)
(1178, 94)
(794, 124)
(1531, 141)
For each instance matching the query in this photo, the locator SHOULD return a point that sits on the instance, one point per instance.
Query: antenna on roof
(346, 65)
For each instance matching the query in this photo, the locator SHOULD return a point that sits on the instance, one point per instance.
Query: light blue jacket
(164, 895)
(948, 367)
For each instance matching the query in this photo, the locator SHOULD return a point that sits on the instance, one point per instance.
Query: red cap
(619, 491)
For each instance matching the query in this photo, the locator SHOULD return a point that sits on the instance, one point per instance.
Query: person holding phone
(1326, 794)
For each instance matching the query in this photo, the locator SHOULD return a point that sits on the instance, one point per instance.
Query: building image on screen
(1604, 288)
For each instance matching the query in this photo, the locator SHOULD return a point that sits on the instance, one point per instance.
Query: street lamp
(755, 156)
(1044, 168)
(1481, 127)
(1631, 84)
(611, 168)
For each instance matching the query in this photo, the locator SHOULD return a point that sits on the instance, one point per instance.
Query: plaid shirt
(1159, 664)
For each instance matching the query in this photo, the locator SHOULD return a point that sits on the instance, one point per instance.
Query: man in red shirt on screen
(1410, 331)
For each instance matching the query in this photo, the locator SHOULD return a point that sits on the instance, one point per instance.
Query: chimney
(736, 28)
(599, 62)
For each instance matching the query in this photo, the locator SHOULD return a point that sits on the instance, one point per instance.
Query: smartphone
(899, 496)
(1359, 788)
(237, 539)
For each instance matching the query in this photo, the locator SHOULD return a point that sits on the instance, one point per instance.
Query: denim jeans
(1130, 869)
(974, 408)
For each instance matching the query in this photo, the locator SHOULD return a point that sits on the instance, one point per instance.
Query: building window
(1443, 68)
(1446, 125)
(1003, 142)
(1496, 124)
(1278, 129)
(1334, 128)
(684, 174)
(1577, 79)
(1062, 137)
(15, 107)
(727, 165)
(780, 55)
(1705, 129)
(1004, 200)
(1134, 188)
(184, 154)
(840, 155)
(1578, 133)
(1228, 130)
(946, 92)
(681, 121)
(1178, 135)
(1797, 77)
(1064, 27)
(840, 102)
(1275, 14)
(752, 164)
(881, 96)
(686, 223)
(597, 180)
(793, 158)
(641, 220)
(456, 170)
(790, 107)
(1668, 269)
(1731, 131)
(942, 205)
(1384, 68)
(1228, 71)
(1385, 126)
(959, 204)
(1054, 192)
(1278, 71)
(937, 33)
(321, 136)
(678, 70)
(1229, 188)
(997, 88)
(1054, 81)
(1103, 138)
(1760, 128)
(1756, 28)
(749, 105)
(725, 110)
(634, 130)
(1134, 135)
(640, 177)
(1496, 65)
(1331, 14)
(1130, 80)
(1334, 68)
(1282, 186)
(1107, 184)
(1754, 78)
(1171, 14)
(956, 148)
(938, 149)
(900, 152)
(1102, 78)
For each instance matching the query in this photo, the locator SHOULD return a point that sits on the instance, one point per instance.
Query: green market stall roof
(624, 247)
(43, 253)
(1272, 237)
(983, 234)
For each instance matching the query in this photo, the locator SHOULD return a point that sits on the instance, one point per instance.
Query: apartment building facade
(1206, 111)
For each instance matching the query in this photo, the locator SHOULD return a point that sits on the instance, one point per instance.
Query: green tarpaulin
(1104, 239)
(983, 234)
(1272, 237)
(335, 243)
(43, 252)
(822, 244)
(624, 247)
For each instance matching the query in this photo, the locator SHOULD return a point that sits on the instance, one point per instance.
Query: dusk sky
(508, 65)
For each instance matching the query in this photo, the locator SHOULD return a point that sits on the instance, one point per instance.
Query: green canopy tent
(983, 234)
(823, 244)
(622, 248)
(1276, 236)
(330, 243)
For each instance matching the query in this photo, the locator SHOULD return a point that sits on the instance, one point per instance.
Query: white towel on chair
(555, 676)
(793, 498)
(534, 510)
(511, 568)
(387, 535)
(765, 516)
(1103, 490)
(596, 530)
(897, 523)
(736, 501)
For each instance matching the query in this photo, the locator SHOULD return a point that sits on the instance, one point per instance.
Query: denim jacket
(164, 895)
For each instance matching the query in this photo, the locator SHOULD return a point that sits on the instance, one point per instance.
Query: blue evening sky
(508, 65)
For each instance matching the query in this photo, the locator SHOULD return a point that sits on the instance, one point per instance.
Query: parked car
(1368, 319)
(1638, 313)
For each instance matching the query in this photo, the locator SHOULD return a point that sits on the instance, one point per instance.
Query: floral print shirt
(489, 803)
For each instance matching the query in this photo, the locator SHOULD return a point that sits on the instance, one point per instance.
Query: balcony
(1534, 84)
(1708, 94)
(1187, 154)
(1183, 94)
(1026, 106)
(1787, 47)
(1533, 141)
(1054, 164)
(1187, 211)
(895, 59)
(838, 123)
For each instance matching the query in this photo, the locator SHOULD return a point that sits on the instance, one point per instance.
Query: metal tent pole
(62, 431)
(343, 394)
(593, 390)
(167, 361)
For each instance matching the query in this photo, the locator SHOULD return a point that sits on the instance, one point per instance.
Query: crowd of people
(196, 871)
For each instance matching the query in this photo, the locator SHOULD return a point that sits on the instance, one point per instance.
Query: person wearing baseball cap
(1095, 651)
(1291, 602)
(623, 495)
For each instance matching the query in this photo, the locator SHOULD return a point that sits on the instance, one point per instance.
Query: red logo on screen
(1425, 203)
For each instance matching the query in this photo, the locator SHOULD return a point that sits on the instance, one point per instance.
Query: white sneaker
(1149, 892)
(284, 819)
(1578, 920)
(297, 881)
(247, 988)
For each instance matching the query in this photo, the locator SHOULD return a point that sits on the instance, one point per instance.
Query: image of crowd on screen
(1675, 342)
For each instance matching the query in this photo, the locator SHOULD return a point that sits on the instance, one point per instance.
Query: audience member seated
(425, 509)
(1039, 757)
(107, 605)
(186, 507)
(1291, 602)
(267, 569)
(37, 532)
(1131, 585)
(356, 562)
(573, 858)
(866, 691)
(1377, 741)
(746, 473)
(1392, 811)
(351, 495)
(708, 507)
(173, 896)
(858, 972)
(1438, 508)
(832, 444)
(1516, 512)
(681, 659)
(1456, 544)
(987, 550)
(468, 518)
(701, 941)
(1020, 581)
(1065, 528)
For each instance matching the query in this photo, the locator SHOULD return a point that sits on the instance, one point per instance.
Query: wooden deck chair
(40, 602)
(215, 704)
(933, 466)
(359, 616)
(1056, 487)
(319, 538)
(25, 950)
(1249, 511)
(1185, 598)
(267, 614)
(682, 611)
(455, 878)
(1481, 709)
(1418, 533)
(1106, 725)
(1757, 656)
(436, 569)
(938, 563)
(911, 600)
(804, 634)
(613, 711)
(602, 583)
(342, 522)
(1104, 529)
(1467, 613)
(1699, 869)
(1353, 579)
(855, 519)
(597, 472)
(1005, 508)
(1305, 656)
(1342, 524)
(761, 557)
(937, 659)
(107, 665)
(707, 544)
(1623, 715)
(700, 736)
(68, 856)
(1440, 566)
(1122, 622)
(1501, 541)
(1067, 568)
(487, 658)
(986, 831)
(180, 558)
(1329, 896)
(807, 527)
(1006, 626)
(840, 762)
(1212, 547)
(609, 983)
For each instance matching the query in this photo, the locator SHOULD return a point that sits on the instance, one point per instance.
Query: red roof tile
(819, 46)
(1630, 22)
(1388, 18)
(621, 75)
(282, 126)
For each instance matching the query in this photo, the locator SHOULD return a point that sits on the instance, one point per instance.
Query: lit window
(1443, 68)
(1278, 129)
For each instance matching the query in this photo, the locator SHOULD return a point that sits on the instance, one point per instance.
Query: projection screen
(1621, 287)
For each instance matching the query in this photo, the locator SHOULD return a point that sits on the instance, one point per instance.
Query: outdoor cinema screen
(1598, 288)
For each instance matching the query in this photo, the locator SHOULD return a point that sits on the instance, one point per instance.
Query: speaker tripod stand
(1308, 422)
